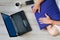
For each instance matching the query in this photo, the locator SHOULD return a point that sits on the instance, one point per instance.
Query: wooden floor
(35, 34)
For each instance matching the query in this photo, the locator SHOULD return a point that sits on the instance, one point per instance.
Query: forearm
(56, 23)
(39, 2)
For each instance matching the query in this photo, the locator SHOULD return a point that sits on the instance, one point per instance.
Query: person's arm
(56, 22)
(39, 2)
(51, 28)
(47, 20)
(37, 6)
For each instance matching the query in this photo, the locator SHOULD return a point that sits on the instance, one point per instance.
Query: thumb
(47, 15)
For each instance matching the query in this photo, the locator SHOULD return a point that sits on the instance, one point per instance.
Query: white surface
(58, 3)
(35, 34)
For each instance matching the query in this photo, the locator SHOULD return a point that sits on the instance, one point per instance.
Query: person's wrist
(37, 4)
(51, 21)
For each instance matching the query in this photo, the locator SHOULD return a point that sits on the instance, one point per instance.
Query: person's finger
(41, 18)
(39, 10)
(34, 10)
(46, 15)
(41, 22)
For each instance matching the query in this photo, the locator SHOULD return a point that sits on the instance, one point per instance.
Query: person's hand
(46, 20)
(36, 7)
